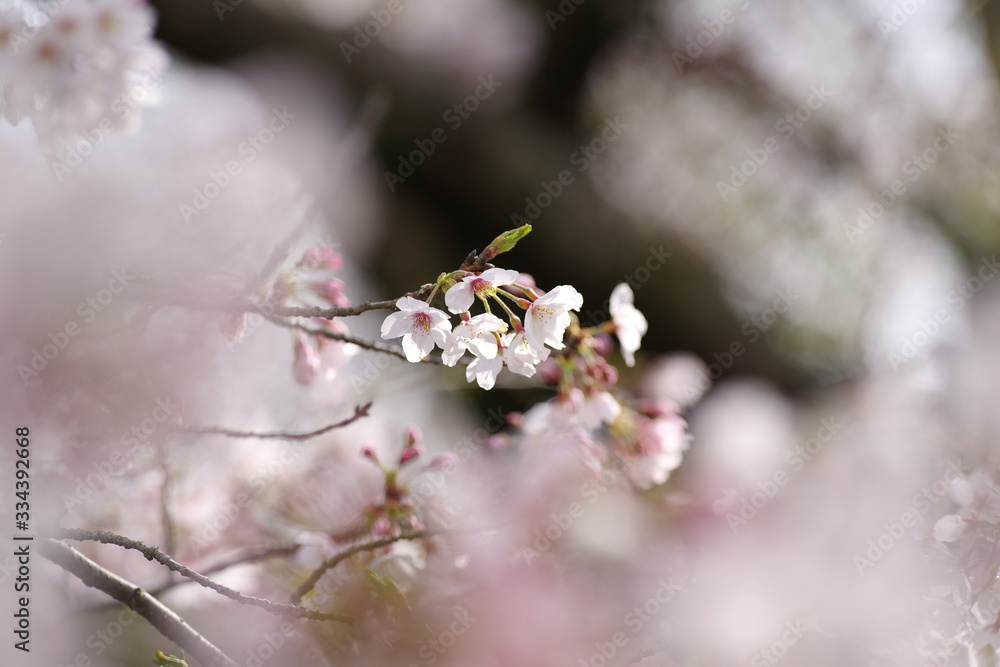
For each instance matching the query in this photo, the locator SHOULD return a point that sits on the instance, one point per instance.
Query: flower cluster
(518, 344)
(311, 283)
(77, 67)
(650, 438)
(647, 437)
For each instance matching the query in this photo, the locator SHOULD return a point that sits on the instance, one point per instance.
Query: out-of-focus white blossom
(630, 324)
(84, 73)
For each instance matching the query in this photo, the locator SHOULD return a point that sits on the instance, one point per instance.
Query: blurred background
(849, 94)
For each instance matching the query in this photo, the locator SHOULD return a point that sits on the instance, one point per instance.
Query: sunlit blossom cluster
(519, 344)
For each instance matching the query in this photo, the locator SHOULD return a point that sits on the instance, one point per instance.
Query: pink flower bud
(603, 372)
(498, 441)
(410, 453)
(321, 258)
(381, 526)
(602, 344)
(333, 291)
(657, 407)
(413, 435)
(444, 460)
(306, 361)
(549, 372)
(369, 453)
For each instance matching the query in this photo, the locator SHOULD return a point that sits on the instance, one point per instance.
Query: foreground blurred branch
(152, 553)
(161, 617)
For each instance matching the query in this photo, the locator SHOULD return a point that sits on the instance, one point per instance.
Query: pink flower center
(481, 286)
(422, 321)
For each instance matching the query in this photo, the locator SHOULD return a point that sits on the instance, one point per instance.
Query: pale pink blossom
(656, 450)
(462, 295)
(420, 325)
(521, 356)
(547, 319)
(476, 334)
(484, 370)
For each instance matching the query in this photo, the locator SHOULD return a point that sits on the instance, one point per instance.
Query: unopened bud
(410, 453)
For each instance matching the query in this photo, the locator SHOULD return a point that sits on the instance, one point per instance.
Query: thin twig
(238, 305)
(152, 553)
(359, 412)
(161, 617)
(336, 560)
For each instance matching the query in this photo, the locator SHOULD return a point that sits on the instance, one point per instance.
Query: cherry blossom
(547, 319)
(521, 356)
(653, 448)
(484, 370)
(476, 334)
(420, 325)
(630, 324)
(462, 295)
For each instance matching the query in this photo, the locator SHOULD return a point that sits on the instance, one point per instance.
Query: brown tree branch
(359, 412)
(334, 561)
(152, 553)
(161, 617)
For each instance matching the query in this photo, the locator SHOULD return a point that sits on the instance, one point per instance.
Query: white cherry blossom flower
(521, 356)
(630, 324)
(548, 317)
(484, 371)
(476, 334)
(462, 295)
(420, 325)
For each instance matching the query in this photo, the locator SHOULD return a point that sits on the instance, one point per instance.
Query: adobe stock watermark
(100, 641)
(119, 111)
(794, 632)
(913, 169)
(88, 309)
(655, 260)
(364, 34)
(44, 12)
(786, 127)
(635, 620)
(894, 528)
(582, 159)
(713, 28)
(454, 116)
(739, 514)
(432, 650)
(930, 327)
(273, 641)
(429, 483)
(899, 16)
(752, 329)
(134, 445)
(230, 510)
(561, 13)
(248, 150)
